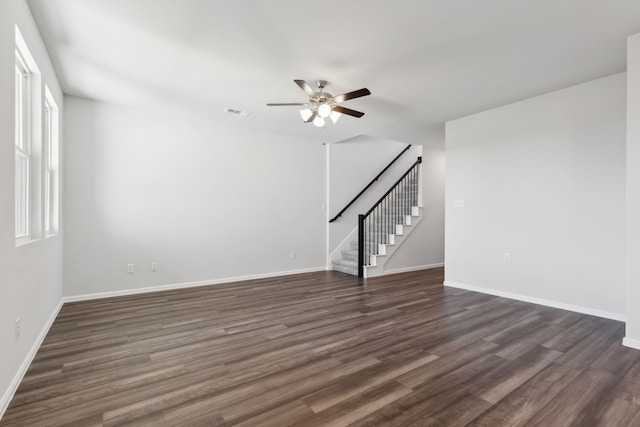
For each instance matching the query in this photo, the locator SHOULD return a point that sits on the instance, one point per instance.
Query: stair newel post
(361, 245)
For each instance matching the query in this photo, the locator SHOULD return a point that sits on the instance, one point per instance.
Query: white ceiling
(425, 61)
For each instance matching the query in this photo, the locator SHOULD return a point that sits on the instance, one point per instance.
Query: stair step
(350, 254)
(345, 263)
(345, 266)
(385, 225)
(374, 237)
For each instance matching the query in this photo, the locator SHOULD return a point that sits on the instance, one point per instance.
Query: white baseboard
(629, 342)
(414, 268)
(11, 390)
(545, 302)
(174, 286)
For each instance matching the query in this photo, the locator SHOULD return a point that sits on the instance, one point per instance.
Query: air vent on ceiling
(237, 112)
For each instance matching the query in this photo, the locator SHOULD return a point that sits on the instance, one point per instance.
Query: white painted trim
(548, 303)
(414, 268)
(629, 342)
(13, 386)
(174, 286)
(327, 205)
(25, 52)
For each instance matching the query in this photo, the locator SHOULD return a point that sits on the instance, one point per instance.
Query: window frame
(22, 85)
(51, 122)
(28, 144)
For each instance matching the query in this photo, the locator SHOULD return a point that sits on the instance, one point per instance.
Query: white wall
(30, 275)
(204, 201)
(633, 191)
(544, 180)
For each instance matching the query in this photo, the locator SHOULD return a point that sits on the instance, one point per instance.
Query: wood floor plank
(436, 396)
(361, 382)
(327, 349)
(528, 342)
(290, 414)
(519, 406)
(459, 413)
(616, 359)
(358, 406)
(517, 372)
(629, 387)
(574, 334)
(249, 405)
(579, 402)
(594, 345)
(620, 413)
(210, 397)
(444, 365)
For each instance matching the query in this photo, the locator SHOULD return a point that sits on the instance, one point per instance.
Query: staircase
(383, 228)
(348, 261)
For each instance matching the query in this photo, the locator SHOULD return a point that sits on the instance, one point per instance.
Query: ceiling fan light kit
(306, 114)
(322, 105)
(324, 110)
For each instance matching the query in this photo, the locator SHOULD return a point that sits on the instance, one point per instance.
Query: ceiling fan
(322, 104)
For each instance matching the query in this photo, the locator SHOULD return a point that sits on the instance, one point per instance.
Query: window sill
(23, 241)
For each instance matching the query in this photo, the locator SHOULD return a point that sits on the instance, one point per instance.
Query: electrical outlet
(507, 257)
(154, 266)
(292, 255)
(130, 268)
(18, 328)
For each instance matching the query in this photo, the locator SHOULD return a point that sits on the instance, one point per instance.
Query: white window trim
(27, 145)
(23, 149)
(51, 178)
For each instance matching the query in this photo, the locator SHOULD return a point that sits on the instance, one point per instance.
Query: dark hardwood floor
(328, 349)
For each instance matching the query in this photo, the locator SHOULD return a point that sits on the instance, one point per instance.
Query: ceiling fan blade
(311, 117)
(287, 104)
(306, 88)
(348, 111)
(351, 95)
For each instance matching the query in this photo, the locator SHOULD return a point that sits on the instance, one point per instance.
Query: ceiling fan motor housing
(322, 97)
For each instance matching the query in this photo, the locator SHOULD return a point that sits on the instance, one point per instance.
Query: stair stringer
(388, 250)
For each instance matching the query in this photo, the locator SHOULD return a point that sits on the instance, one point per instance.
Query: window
(23, 146)
(27, 143)
(50, 163)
